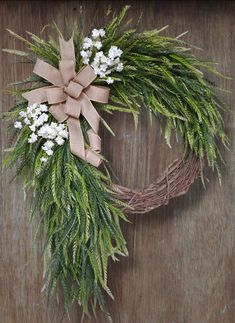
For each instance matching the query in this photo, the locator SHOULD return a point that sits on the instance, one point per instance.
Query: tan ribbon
(70, 96)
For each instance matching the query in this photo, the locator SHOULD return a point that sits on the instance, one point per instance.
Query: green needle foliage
(78, 210)
(162, 75)
(80, 218)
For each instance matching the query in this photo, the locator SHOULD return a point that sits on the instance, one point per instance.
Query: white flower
(48, 131)
(102, 74)
(95, 68)
(59, 141)
(103, 67)
(47, 147)
(43, 107)
(97, 44)
(31, 108)
(33, 138)
(119, 67)
(37, 111)
(43, 159)
(43, 131)
(95, 33)
(23, 114)
(44, 117)
(109, 80)
(49, 152)
(85, 61)
(114, 52)
(49, 144)
(87, 43)
(63, 134)
(32, 127)
(101, 32)
(53, 125)
(60, 127)
(84, 53)
(51, 133)
(26, 121)
(18, 125)
(105, 60)
(99, 54)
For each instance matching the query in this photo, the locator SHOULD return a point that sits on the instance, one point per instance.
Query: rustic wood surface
(181, 267)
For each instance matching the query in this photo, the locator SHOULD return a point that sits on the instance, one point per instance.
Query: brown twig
(175, 181)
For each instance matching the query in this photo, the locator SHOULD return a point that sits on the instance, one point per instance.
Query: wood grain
(181, 267)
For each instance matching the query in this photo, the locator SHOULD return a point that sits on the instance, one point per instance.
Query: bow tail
(76, 139)
(89, 112)
(77, 143)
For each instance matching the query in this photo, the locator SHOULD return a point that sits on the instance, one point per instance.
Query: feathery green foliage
(79, 213)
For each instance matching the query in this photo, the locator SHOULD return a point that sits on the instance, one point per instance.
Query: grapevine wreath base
(175, 181)
(58, 148)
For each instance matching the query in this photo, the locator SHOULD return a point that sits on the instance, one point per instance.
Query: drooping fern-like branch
(81, 222)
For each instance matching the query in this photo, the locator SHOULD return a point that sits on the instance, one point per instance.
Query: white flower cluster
(102, 64)
(36, 118)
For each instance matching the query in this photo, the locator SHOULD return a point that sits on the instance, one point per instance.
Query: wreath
(58, 149)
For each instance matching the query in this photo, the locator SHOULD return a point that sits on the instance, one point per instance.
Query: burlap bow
(70, 96)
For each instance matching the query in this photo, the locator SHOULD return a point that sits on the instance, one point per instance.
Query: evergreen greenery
(79, 212)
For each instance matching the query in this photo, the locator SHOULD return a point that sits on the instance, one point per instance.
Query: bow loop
(55, 95)
(70, 96)
(48, 72)
(85, 76)
(67, 71)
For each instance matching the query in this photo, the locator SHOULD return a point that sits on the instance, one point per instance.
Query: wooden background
(181, 267)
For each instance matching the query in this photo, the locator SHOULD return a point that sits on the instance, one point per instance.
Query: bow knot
(70, 95)
(73, 89)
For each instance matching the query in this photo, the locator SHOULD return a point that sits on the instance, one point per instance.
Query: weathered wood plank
(181, 265)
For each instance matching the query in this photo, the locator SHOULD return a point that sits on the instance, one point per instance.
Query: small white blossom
(119, 67)
(102, 64)
(43, 159)
(101, 32)
(103, 67)
(43, 107)
(109, 80)
(84, 53)
(26, 121)
(43, 117)
(95, 33)
(85, 61)
(87, 43)
(49, 152)
(47, 148)
(63, 134)
(36, 117)
(23, 114)
(31, 109)
(33, 138)
(32, 127)
(53, 125)
(18, 125)
(59, 141)
(99, 54)
(114, 52)
(98, 44)
(49, 144)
